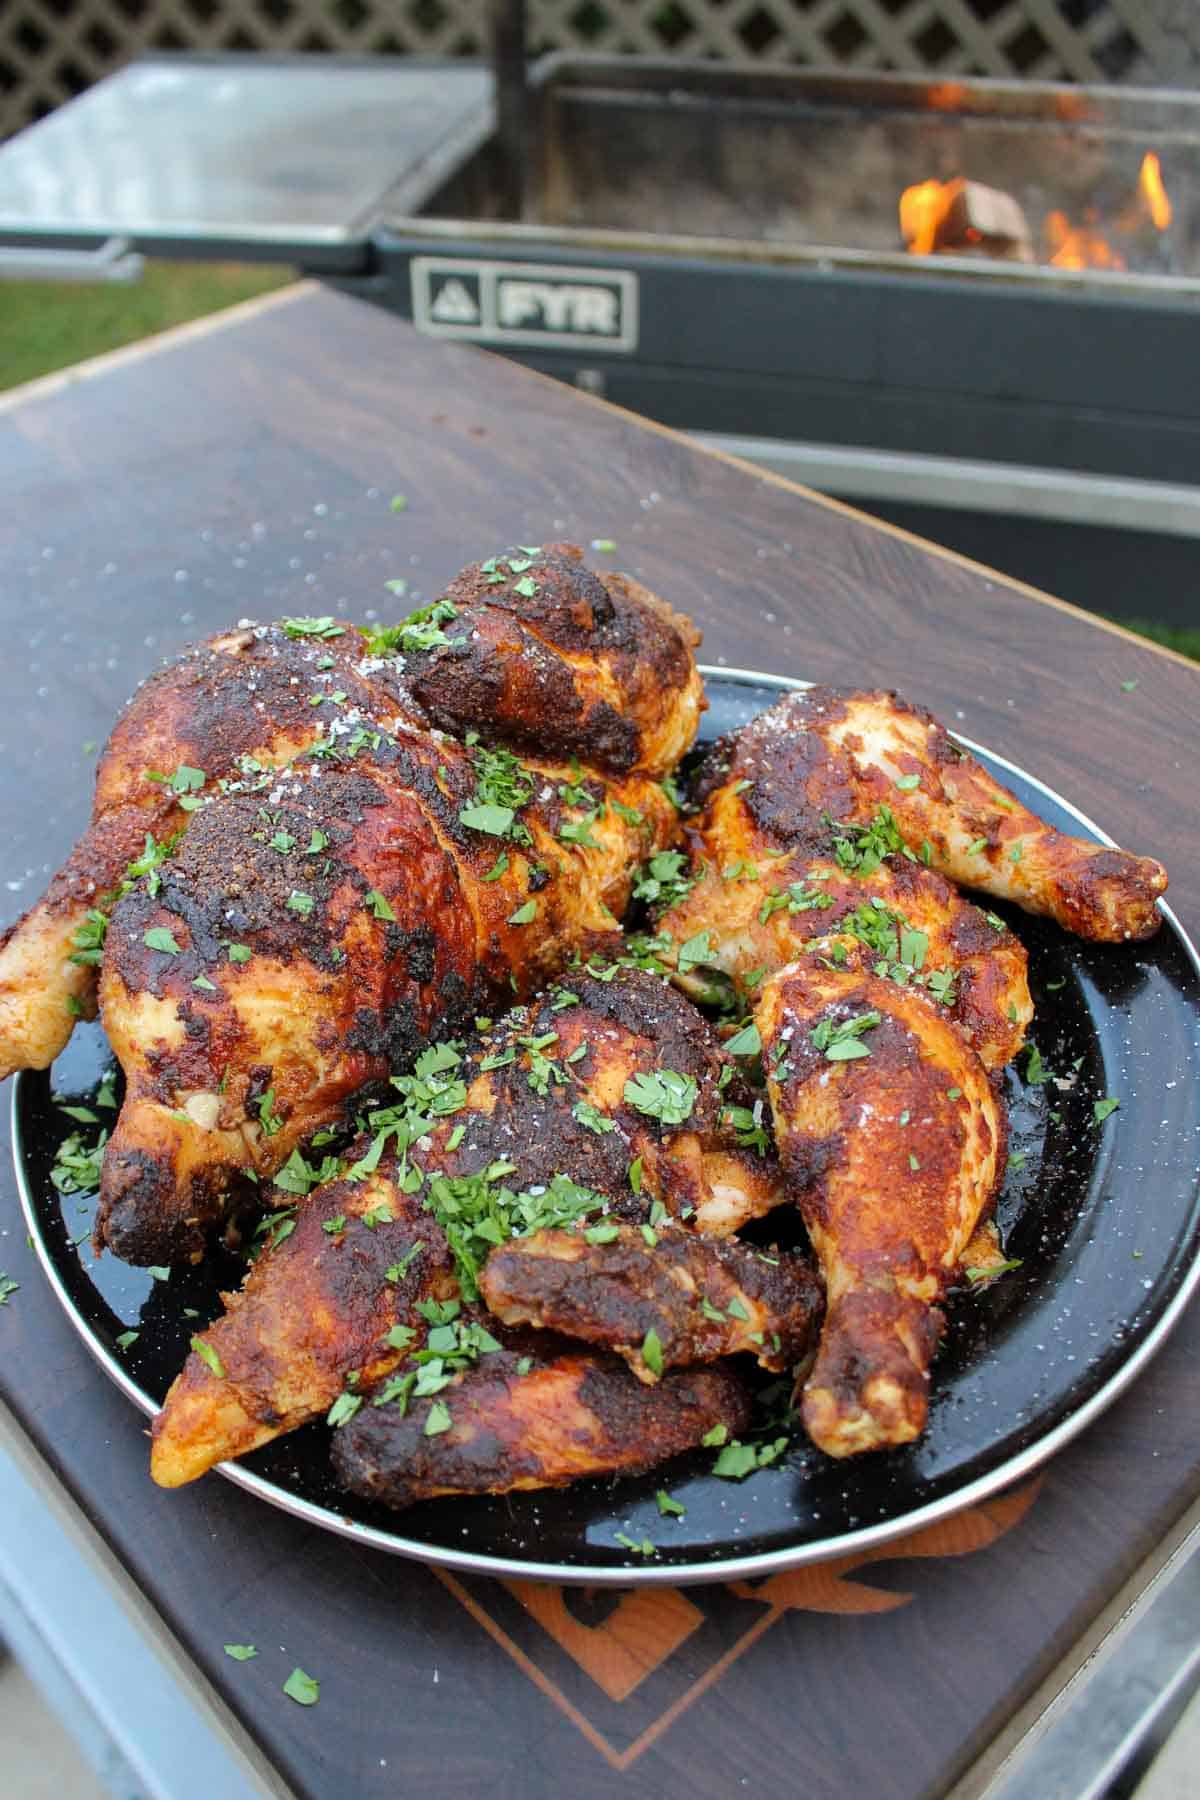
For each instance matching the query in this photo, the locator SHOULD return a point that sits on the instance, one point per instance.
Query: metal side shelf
(1099, 1738)
(85, 1638)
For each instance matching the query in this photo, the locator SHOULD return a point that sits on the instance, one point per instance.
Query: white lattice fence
(51, 49)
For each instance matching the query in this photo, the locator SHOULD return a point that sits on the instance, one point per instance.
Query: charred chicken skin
(335, 1291)
(537, 1420)
(524, 1130)
(353, 881)
(541, 654)
(832, 829)
(892, 1137)
(679, 1300)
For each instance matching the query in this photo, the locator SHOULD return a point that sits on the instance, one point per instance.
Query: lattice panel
(52, 49)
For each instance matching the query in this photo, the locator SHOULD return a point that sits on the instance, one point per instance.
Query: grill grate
(51, 50)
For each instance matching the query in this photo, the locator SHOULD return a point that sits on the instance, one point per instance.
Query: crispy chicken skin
(395, 931)
(590, 665)
(586, 665)
(574, 1117)
(778, 854)
(317, 1304)
(325, 916)
(533, 1421)
(843, 756)
(702, 1298)
(893, 1154)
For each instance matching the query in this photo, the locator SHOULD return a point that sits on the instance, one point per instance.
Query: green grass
(48, 325)
(1184, 638)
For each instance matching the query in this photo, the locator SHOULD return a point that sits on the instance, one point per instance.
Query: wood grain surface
(248, 470)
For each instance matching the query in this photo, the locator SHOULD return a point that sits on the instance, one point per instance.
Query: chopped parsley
(77, 1164)
(298, 1176)
(738, 1460)
(663, 881)
(1102, 1108)
(697, 953)
(587, 1114)
(343, 1409)
(663, 1095)
(438, 1419)
(842, 1041)
(302, 1688)
(652, 1352)
(208, 1355)
(503, 785)
(639, 1546)
(326, 627)
(860, 849)
(158, 937)
(747, 1042)
(798, 898)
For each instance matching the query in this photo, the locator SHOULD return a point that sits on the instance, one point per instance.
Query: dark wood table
(246, 467)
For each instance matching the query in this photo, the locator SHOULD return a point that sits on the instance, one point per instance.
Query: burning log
(964, 218)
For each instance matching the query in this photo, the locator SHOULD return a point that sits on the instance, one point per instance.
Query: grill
(773, 306)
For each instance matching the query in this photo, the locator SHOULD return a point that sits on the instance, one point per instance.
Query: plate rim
(716, 1569)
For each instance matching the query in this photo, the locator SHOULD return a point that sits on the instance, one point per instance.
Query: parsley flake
(302, 1688)
(664, 1095)
(208, 1355)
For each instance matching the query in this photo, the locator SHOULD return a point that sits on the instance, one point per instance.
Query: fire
(922, 209)
(963, 217)
(1152, 192)
(1079, 246)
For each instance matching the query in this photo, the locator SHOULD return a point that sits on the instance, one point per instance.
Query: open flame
(961, 217)
(1079, 246)
(924, 209)
(1152, 193)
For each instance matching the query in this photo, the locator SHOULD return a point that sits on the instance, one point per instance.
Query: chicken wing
(336, 1290)
(549, 657)
(531, 1421)
(662, 1301)
(893, 1138)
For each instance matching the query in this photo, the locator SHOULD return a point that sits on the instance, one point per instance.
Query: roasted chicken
(892, 1139)
(335, 1290)
(541, 1419)
(831, 830)
(359, 881)
(528, 1129)
(543, 655)
(662, 1300)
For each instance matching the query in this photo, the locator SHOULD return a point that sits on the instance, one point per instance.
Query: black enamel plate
(1104, 1217)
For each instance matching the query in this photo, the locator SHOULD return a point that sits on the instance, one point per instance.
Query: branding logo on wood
(623, 1666)
(552, 305)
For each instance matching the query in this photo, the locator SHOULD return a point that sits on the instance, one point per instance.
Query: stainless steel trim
(1021, 489)
(674, 1575)
(113, 260)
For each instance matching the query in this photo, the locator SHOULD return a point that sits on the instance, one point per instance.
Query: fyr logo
(550, 305)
